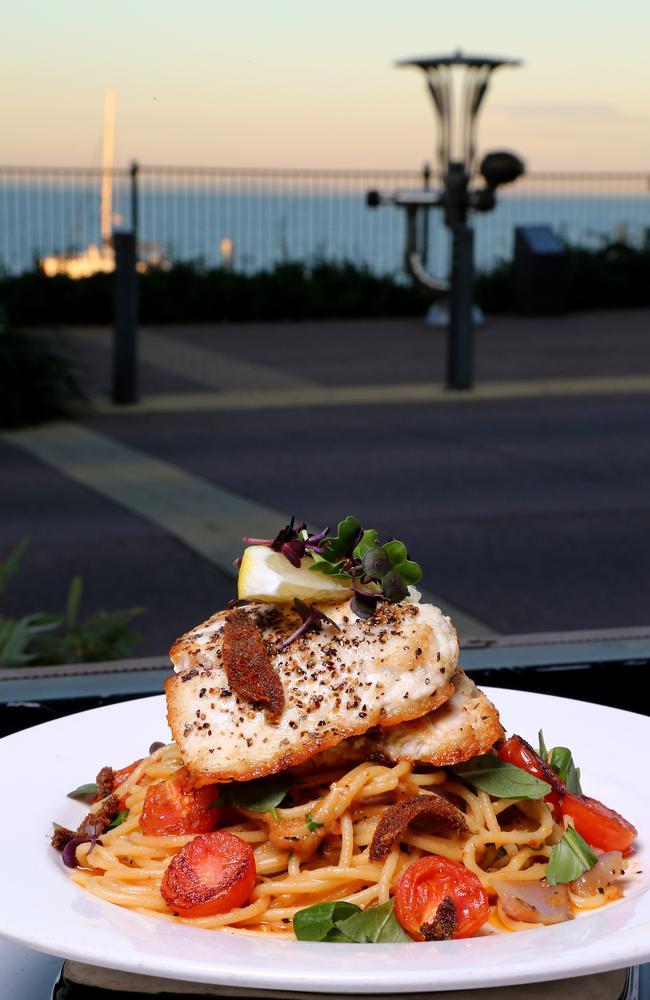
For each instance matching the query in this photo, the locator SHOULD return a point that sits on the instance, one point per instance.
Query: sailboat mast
(106, 210)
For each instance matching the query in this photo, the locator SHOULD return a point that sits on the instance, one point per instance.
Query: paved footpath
(526, 501)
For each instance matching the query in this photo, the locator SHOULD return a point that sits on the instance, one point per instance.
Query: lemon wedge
(266, 575)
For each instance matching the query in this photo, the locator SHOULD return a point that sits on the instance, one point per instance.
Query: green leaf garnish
(341, 545)
(376, 572)
(261, 795)
(378, 925)
(118, 819)
(396, 551)
(570, 859)
(319, 922)
(561, 760)
(543, 752)
(345, 923)
(85, 793)
(369, 540)
(312, 824)
(501, 779)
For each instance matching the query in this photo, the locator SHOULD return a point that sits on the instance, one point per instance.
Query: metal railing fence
(251, 219)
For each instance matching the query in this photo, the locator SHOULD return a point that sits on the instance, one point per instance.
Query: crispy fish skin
(465, 726)
(380, 671)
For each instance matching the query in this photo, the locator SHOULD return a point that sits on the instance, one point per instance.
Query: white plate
(43, 909)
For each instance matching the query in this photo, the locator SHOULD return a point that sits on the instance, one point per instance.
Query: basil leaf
(378, 925)
(543, 752)
(118, 819)
(312, 824)
(501, 779)
(319, 922)
(562, 763)
(570, 858)
(85, 793)
(261, 795)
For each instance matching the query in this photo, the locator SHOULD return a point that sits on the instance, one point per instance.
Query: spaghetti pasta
(329, 856)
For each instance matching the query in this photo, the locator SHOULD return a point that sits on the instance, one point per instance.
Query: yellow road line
(373, 395)
(210, 520)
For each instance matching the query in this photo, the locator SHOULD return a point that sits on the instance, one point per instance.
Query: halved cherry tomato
(517, 751)
(214, 873)
(174, 806)
(599, 825)
(423, 887)
(126, 772)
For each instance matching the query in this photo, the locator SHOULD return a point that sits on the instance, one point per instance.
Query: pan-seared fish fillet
(465, 726)
(394, 666)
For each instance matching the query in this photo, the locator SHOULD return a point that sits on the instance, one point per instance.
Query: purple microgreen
(393, 587)
(293, 540)
(69, 852)
(376, 563)
(311, 618)
(364, 605)
(294, 551)
(158, 745)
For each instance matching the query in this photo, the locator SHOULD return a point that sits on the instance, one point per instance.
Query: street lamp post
(457, 103)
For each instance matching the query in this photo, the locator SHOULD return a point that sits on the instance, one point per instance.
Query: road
(528, 507)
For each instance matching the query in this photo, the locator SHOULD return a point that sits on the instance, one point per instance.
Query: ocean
(264, 225)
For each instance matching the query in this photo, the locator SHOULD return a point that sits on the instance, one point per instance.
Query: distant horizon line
(157, 167)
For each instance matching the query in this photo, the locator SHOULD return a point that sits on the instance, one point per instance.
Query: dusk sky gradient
(312, 82)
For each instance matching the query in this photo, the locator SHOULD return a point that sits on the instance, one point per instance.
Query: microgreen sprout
(293, 541)
(311, 618)
(374, 571)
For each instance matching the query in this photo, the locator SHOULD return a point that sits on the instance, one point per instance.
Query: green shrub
(192, 293)
(613, 275)
(43, 639)
(36, 383)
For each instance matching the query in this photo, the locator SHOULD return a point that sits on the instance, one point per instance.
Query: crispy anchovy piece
(444, 924)
(96, 823)
(105, 781)
(61, 836)
(248, 665)
(431, 811)
(550, 776)
(92, 825)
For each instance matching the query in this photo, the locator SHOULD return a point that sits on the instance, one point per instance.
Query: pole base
(438, 315)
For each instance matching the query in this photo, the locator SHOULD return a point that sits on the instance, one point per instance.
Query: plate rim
(631, 947)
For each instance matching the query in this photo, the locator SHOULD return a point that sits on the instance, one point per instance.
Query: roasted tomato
(214, 873)
(174, 806)
(599, 825)
(437, 899)
(515, 750)
(125, 772)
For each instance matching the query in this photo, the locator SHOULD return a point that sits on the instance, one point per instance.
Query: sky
(312, 83)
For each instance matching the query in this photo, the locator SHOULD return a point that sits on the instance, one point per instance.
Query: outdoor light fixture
(457, 85)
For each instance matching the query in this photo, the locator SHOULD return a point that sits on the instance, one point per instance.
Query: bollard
(125, 320)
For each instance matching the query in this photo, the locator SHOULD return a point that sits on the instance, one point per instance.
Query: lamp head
(501, 167)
